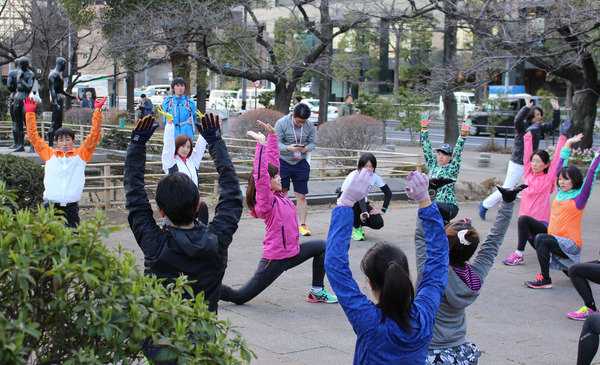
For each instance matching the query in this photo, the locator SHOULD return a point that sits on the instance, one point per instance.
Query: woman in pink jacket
(540, 176)
(281, 247)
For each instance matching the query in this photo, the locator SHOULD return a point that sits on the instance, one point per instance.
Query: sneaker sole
(576, 319)
(512, 264)
(547, 286)
(311, 300)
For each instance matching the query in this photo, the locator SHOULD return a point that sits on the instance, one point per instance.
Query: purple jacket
(283, 237)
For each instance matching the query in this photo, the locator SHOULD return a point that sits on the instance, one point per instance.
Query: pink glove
(98, 104)
(29, 105)
(358, 188)
(419, 186)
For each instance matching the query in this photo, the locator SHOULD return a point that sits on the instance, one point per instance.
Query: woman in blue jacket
(399, 327)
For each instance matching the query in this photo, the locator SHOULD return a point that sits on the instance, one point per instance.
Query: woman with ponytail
(465, 280)
(398, 327)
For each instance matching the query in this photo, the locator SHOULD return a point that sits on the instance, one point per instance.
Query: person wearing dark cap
(446, 164)
(347, 108)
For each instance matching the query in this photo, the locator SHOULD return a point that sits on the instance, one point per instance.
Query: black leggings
(269, 270)
(373, 222)
(580, 274)
(588, 340)
(448, 211)
(529, 226)
(545, 244)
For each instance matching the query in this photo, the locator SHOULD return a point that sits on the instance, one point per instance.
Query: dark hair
(143, 96)
(572, 173)
(178, 81)
(181, 140)
(367, 157)
(461, 253)
(531, 113)
(302, 111)
(178, 197)
(544, 156)
(243, 105)
(298, 98)
(64, 131)
(386, 266)
(251, 189)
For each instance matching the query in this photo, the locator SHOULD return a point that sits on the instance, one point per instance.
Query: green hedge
(71, 300)
(25, 177)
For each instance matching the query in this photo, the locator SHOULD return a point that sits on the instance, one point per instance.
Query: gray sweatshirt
(451, 322)
(288, 133)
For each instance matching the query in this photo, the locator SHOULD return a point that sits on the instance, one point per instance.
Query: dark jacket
(200, 252)
(521, 126)
(145, 108)
(87, 103)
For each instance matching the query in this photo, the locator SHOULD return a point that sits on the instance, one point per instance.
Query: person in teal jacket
(182, 108)
(398, 328)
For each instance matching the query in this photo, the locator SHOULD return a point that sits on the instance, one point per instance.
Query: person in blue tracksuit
(182, 108)
(398, 328)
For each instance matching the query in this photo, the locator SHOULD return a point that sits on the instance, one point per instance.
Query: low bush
(25, 177)
(112, 116)
(115, 139)
(65, 298)
(4, 100)
(247, 121)
(353, 132)
(79, 116)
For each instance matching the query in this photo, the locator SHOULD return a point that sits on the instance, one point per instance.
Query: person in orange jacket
(64, 173)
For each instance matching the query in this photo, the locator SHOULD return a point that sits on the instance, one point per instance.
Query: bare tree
(16, 36)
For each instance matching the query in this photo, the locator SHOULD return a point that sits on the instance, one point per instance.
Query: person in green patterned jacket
(446, 164)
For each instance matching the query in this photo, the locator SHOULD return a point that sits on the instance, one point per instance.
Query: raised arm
(168, 153)
(199, 149)
(140, 218)
(89, 145)
(550, 126)
(588, 183)
(426, 144)
(40, 146)
(229, 208)
(262, 179)
(521, 115)
(527, 153)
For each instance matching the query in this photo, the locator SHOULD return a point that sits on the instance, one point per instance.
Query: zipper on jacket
(283, 236)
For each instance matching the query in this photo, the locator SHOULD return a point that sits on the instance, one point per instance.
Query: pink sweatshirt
(283, 237)
(535, 200)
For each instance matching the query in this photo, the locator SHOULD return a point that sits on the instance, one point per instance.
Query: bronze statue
(57, 91)
(11, 84)
(25, 79)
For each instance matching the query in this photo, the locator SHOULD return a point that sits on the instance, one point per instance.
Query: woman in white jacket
(178, 156)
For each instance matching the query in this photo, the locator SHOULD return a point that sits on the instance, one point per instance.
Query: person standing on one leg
(529, 119)
(579, 275)
(297, 137)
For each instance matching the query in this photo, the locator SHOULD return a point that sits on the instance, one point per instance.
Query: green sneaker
(358, 234)
(322, 296)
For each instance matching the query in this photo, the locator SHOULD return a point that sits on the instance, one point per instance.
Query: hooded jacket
(451, 321)
(199, 252)
(521, 126)
(282, 239)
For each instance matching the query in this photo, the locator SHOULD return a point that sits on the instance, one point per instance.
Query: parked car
(332, 111)
(157, 93)
(465, 103)
(80, 92)
(506, 125)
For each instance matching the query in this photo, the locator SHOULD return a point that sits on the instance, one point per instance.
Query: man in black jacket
(183, 246)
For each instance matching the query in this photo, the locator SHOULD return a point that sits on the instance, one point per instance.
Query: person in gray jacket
(465, 280)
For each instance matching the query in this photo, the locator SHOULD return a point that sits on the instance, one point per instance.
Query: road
(436, 136)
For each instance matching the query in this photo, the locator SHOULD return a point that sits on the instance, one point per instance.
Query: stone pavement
(510, 323)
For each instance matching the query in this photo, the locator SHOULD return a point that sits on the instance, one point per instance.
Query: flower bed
(579, 157)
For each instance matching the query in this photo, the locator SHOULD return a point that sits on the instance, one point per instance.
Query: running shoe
(482, 210)
(540, 283)
(581, 314)
(304, 230)
(322, 296)
(358, 234)
(513, 260)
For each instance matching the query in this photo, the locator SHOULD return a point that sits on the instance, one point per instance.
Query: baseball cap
(446, 149)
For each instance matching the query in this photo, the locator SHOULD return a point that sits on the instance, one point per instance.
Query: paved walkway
(510, 323)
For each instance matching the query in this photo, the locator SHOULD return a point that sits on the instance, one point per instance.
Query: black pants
(529, 226)
(373, 222)
(588, 340)
(269, 270)
(545, 244)
(70, 212)
(580, 274)
(448, 211)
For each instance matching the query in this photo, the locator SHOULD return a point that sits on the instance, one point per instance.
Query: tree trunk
(283, 95)
(181, 68)
(584, 116)
(129, 92)
(201, 86)
(397, 63)
(325, 62)
(450, 51)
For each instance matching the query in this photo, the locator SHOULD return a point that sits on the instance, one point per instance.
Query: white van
(157, 93)
(222, 99)
(465, 103)
(251, 98)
